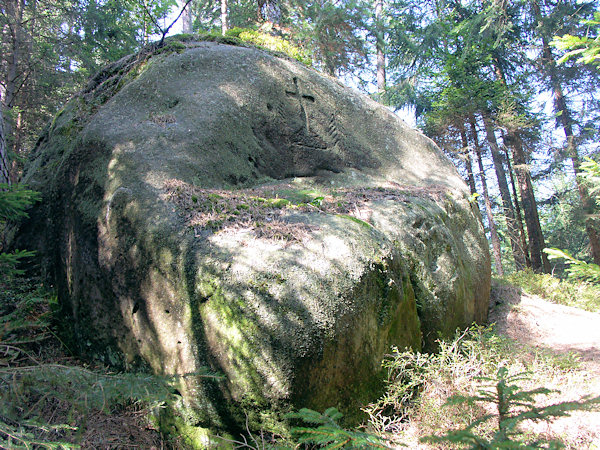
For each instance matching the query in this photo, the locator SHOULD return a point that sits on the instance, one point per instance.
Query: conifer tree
(548, 20)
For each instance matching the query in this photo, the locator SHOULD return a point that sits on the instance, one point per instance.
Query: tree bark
(565, 119)
(519, 216)
(15, 13)
(187, 25)
(4, 172)
(380, 45)
(539, 260)
(509, 213)
(496, 247)
(224, 17)
(470, 176)
(15, 9)
(534, 255)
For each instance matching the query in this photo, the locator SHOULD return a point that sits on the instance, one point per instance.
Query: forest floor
(567, 332)
(556, 347)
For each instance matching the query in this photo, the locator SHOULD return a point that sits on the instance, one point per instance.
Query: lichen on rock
(218, 206)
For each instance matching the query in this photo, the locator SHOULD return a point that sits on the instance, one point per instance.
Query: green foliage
(25, 307)
(514, 406)
(418, 384)
(575, 267)
(591, 176)
(9, 261)
(334, 32)
(326, 433)
(470, 354)
(14, 201)
(585, 48)
(563, 220)
(27, 391)
(565, 292)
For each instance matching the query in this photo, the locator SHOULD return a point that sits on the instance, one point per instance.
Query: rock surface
(218, 206)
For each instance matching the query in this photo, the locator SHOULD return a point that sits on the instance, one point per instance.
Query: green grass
(568, 292)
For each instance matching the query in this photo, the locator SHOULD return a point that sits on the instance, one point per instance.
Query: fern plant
(514, 406)
(14, 201)
(328, 434)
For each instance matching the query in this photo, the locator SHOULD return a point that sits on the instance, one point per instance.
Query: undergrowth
(415, 406)
(568, 292)
(513, 407)
(48, 399)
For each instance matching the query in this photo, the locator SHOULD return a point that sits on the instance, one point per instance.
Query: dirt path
(566, 332)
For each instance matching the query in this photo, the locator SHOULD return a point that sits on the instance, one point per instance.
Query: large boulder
(212, 205)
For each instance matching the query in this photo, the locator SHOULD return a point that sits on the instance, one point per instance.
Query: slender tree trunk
(470, 177)
(4, 172)
(15, 13)
(224, 17)
(539, 260)
(519, 216)
(187, 25)
(509, 213)
(380, 44)
(566, 122)
(16, 30)
(496, 246)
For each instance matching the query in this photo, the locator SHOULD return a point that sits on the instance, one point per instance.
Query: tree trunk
(224, 17)
(539, 260)
(16, 30)
(4, 172)
(380, 44)
(496, 247)
(566, 121)
(187, 19)
(509, 213)
(519, 216)
(15, 14)
(535, 256)
(470, 177)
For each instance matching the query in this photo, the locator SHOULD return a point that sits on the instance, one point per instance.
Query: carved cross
(301, 97)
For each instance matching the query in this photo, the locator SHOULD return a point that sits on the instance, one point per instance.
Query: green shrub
(568, 292)
(473, 352)
(576, 268)
(14, 201)
(325, 432)
(420, 384)
(514, 406)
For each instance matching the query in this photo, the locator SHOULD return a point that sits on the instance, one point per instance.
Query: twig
(155, 22)
(173, 23)
(8, 346)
